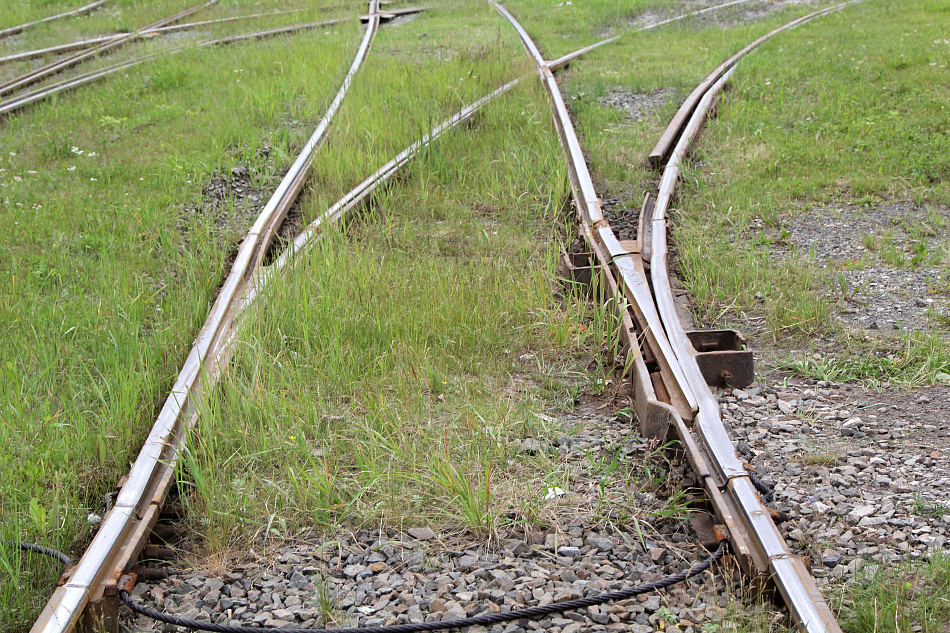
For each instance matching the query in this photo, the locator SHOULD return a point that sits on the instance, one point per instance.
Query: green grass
(393, 377)
(108, 264)
(915, 359)
(390, 347)
(815, 117)
(907, 597)
(17, 13)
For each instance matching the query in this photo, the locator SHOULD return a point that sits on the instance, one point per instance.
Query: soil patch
(725, 17)
(636, 105)
(891, 299)
(849, 233)
(749, 12)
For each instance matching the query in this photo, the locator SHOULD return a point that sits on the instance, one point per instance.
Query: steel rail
(636, 290)
(755, 539)
(791, 576)
(84, 44)
(21, 101)
(126, 526)
(52, 68)
(789, 573)
(13, 30)
(664, 146)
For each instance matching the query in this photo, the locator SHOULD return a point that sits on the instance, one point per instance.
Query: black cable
(480, 620)
(39, 549)
(764, 489)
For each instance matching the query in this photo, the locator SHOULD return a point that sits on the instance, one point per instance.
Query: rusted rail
(23, 100)
(671, 390)
(13, 30)
(84, 44)
(664, 146)
(88, 592)
(34, 76)
(127, 526)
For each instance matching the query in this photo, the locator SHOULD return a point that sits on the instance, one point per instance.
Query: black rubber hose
(479, 620)
(39, 549)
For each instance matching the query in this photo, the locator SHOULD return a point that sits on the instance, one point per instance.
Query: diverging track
(667, 365)
(671, 387)
(90, 589)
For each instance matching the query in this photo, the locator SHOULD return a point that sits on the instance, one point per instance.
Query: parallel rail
(34, 76)
(85, 44)
(671, 390)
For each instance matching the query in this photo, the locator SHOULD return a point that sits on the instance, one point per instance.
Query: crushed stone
(864, 475)
(428, 573)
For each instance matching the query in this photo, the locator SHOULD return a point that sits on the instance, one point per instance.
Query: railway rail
(26, 99)
(13, 30)
(149, 33)
(672, 392)
(669, 367)
(54, 67)
(88, 592)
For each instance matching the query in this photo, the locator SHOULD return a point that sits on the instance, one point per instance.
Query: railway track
(28, 98)
(88, 592)
(13, 30)
(671, 385)
(669, 367)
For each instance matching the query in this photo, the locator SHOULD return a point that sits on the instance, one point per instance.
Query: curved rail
(126, 527)
(664, 146)
(746, 520)
(13, 30)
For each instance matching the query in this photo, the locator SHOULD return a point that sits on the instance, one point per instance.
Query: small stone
(860, 512)
(530, 446)
(517, 548)
(832, 561)
(466, 562)
(421, 534)
(283, 614)
(599, 618)
(570, 552)
(604, 544)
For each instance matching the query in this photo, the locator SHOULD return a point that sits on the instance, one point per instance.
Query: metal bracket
(577, 268)
(723, 358)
